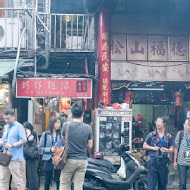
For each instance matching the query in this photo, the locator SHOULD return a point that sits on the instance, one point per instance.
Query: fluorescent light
(145, 88)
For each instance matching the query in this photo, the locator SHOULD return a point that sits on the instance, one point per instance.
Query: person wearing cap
(158, 144)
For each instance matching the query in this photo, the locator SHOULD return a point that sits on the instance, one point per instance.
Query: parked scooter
(99, 174)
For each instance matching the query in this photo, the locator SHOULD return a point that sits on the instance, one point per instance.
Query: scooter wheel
(140, 184)
(92, 184)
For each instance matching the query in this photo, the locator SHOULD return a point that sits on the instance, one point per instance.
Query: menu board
(110, 134)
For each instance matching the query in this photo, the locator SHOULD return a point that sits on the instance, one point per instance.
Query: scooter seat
(116, 185)
(103, 163)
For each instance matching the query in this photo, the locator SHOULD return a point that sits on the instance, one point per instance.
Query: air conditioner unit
(74, 42)
(10, 32)
(18, 4)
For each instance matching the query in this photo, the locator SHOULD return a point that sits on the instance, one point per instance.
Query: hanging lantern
(178, 98)
(64, 105)
(128, 98)
(139, 116)
(178, 104)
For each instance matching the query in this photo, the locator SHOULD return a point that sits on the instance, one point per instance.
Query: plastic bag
(122, 170)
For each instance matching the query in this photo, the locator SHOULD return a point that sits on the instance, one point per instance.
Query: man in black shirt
(80, 139)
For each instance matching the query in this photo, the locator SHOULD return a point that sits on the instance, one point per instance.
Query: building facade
(134, 52)
(148, 61)
(49, 48)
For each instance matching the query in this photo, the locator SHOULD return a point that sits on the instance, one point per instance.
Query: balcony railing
(12, 23)
(53, 32)
(72, 32)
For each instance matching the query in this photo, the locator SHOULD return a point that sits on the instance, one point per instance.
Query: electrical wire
(85, 7)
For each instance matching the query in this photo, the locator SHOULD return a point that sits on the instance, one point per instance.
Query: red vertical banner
(2, 5)
(104, 57)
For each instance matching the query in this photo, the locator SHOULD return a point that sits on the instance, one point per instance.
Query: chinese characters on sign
(41, 87)
(178, 48)
(155, 48)
(118, 50)
(158, 48)
(104, 57)
(82, 86)
(137, 48)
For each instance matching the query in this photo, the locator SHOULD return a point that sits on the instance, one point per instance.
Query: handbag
(5, 158)
(30, 151)
(60, 157)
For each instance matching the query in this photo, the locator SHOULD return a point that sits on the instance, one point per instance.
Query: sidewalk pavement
(42, 182)
(173, 186)
(175, 183)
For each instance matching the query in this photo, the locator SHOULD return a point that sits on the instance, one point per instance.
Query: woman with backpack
(32, 157)
(50, 142)
(182, 154)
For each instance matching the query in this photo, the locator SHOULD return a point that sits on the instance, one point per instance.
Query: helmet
(98, 155)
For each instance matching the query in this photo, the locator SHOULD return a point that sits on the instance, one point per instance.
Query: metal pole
(47, 40)
(17, 9)
(35, 40)
(17, 59)
(42, 23)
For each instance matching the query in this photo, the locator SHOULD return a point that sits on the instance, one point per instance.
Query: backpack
(152, 136)
(181, 135)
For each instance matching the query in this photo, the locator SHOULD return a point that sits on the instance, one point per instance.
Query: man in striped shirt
(182, 154)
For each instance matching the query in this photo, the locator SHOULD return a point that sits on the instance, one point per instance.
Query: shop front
(151, 74)
(53, 97)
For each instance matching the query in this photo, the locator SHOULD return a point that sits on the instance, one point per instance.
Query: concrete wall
(164, 25)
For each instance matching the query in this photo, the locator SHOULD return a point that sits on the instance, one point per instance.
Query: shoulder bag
(60, 157)
(31, 151)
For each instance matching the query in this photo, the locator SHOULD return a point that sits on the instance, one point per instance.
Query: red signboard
(42, 87)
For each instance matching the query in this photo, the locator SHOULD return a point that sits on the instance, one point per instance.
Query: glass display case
(109, 126)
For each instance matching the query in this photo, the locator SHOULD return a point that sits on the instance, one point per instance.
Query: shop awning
(7, 65)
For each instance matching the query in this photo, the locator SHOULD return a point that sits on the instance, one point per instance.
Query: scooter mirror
(127, 148)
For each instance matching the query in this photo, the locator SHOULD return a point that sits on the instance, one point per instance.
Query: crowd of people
(159, 145)
(23, 144)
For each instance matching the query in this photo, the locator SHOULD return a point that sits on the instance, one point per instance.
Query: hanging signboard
(151, 48)
(158, 48)
(43, 87)
(136, 47)
(178, 48)
(118, 50)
